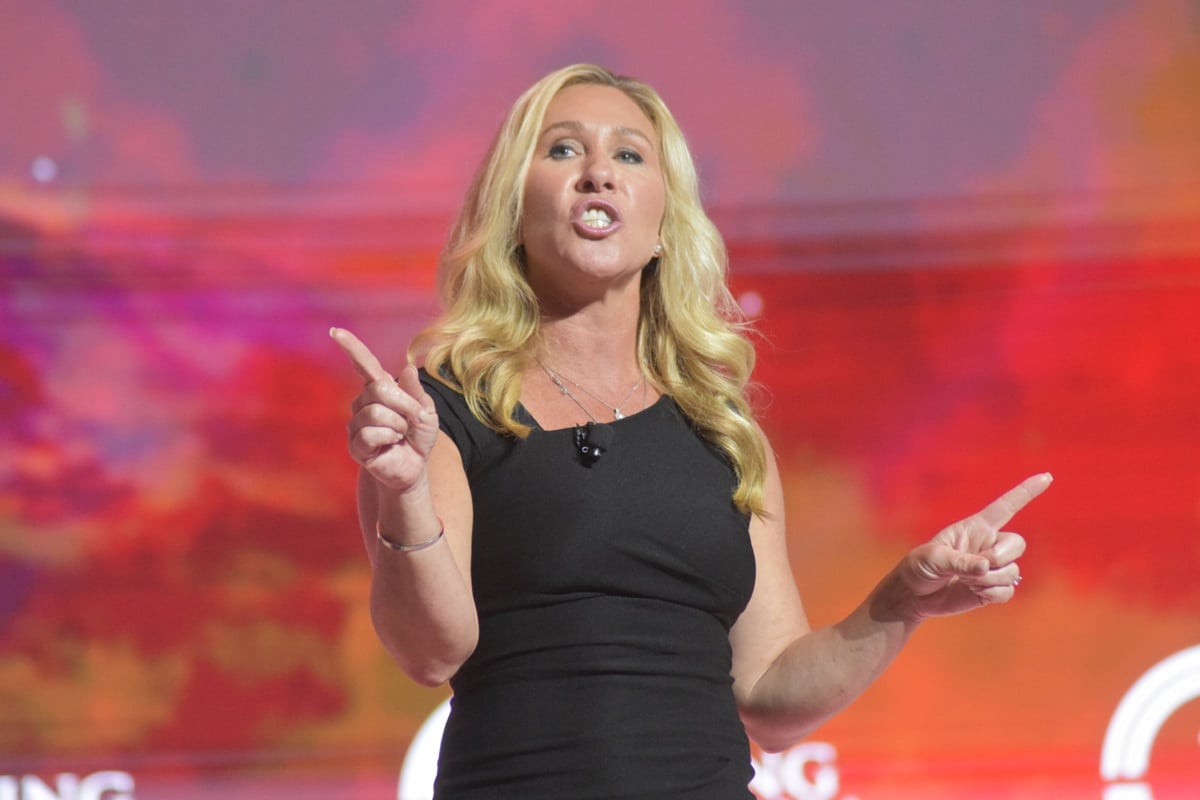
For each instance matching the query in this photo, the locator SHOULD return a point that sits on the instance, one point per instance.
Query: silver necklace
(557, 378)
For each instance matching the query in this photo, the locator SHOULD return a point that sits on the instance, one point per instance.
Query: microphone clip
(592, 440)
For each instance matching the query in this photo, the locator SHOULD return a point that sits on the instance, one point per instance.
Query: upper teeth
(596, 218)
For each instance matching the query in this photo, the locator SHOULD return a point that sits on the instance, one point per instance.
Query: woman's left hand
(973, 562)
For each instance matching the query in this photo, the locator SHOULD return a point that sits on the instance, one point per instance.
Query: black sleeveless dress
(605, 592)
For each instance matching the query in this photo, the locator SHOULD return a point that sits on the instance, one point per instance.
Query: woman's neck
(597, 349)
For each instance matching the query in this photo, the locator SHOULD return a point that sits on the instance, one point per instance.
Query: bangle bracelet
(408, 548)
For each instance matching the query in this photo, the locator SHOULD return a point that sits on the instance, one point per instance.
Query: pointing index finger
(364, 361)
(1002, 509)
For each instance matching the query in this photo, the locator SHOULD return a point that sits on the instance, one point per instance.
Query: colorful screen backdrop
(969, 234)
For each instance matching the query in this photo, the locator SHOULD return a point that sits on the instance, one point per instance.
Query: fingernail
(331, 332)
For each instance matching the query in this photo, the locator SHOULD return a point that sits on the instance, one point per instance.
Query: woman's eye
(630, 156)
(561, 150)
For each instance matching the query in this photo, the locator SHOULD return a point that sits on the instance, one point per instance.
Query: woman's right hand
(393, 424)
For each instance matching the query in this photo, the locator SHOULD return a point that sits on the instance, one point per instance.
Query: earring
(658, 250)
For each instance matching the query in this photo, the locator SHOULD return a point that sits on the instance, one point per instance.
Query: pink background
(969, 231)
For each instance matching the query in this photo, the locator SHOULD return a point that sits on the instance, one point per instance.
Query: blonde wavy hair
(692, 337)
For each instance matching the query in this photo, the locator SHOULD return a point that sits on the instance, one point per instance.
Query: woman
(571, 514)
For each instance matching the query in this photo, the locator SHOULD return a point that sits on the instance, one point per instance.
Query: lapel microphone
(592, 440)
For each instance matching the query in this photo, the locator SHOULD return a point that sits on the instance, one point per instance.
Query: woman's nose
(597, 175)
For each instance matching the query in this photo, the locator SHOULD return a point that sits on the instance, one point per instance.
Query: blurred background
(969, 234)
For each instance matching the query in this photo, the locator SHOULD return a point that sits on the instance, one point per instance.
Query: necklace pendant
(617, 414)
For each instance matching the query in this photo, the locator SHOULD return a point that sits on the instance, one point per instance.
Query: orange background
(969, 235)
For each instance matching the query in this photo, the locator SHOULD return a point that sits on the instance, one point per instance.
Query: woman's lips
(595, 219)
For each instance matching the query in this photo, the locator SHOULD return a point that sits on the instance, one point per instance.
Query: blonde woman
(570, 513)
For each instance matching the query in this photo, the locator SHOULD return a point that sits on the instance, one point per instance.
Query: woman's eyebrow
(575, 126)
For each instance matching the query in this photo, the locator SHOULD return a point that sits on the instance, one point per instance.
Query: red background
(969, 233)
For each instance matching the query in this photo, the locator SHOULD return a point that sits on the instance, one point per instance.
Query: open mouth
(595, 218)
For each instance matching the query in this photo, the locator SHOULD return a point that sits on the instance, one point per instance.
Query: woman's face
(594, 195)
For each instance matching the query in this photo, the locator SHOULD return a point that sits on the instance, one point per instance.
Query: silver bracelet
(407, 548)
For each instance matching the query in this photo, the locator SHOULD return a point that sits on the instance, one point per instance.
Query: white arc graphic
(1140, 715)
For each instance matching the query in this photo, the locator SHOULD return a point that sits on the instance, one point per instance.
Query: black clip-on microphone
(593, 440)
